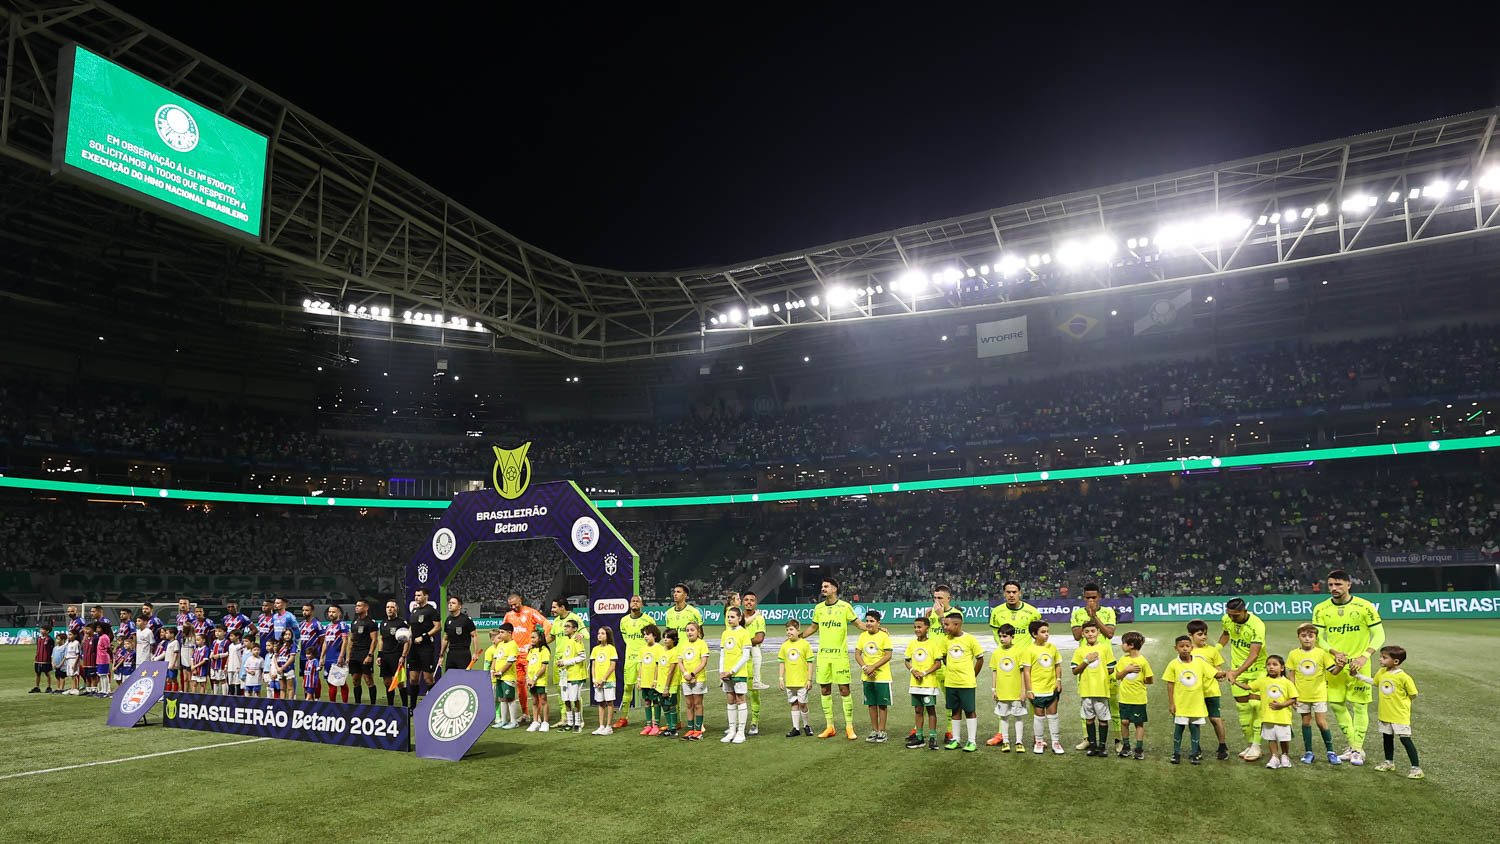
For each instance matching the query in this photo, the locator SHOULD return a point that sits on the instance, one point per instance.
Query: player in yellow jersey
(1010, 699)
(669, 681)
(631, 627)
(734, 673)
(755, 625)
(1350, 629)
(538, 663)
(1039, 680)
(572, 666)
(1276, 695)
(962, 659)
(694, 663)
(923, 658)
(1310, 667)
(1198, 630)
(1245, 634)
(1105, 617)
(1015, 612)
(1184, 678)
(1093, 662)
(873, 653)
(1134, 673)
(602, 661)
(1397, 689)
(649, 660)
(795, 675)
(503, 670)
(833, 618)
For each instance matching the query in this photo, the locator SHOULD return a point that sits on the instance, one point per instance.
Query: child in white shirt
(253, 666)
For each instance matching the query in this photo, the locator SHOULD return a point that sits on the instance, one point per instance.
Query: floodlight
(1322, 209)
(1394, 195)
(1436, 189)
(1491, 179)
(984, 269)
(970, 272)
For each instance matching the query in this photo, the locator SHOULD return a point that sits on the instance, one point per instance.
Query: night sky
(642, 140)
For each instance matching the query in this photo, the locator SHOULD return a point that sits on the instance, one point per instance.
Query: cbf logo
(136, 695)
(176, 127)
(512, 472)
(453, 713)
(611, 564)
(422, 573)
(585, 534)
(443, 544)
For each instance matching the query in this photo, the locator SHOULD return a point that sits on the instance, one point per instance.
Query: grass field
(522, 785)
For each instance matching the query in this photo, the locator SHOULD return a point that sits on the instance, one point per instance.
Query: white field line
(134, 758)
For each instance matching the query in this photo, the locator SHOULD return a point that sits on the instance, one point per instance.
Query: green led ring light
(1158, 467)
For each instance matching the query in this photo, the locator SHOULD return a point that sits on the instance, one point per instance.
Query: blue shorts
(274, 685)
(171, 674)
(252, 690)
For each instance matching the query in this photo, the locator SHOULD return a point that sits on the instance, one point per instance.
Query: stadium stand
(1445, 361)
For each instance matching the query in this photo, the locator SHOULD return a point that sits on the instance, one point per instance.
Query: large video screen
(122, 131)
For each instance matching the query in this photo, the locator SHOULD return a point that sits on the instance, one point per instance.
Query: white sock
(1004, 732)
(744, 718)
(1053, 727)
(733, 713)
(973, 725)
(954, 728)
(1036, 727)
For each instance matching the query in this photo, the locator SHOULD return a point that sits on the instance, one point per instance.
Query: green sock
(1139, 746)
(1092, 731)
(1193, 734)
(848, 712)
(1307, 737)
(1359, 724)
(1411, 750)
(828, 709)
(1103, 734)
(1327, 739)
(1176, 739)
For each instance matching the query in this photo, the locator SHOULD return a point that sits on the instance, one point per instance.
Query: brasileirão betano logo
(512, 472)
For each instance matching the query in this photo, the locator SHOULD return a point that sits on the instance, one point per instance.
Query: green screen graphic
(131, 132)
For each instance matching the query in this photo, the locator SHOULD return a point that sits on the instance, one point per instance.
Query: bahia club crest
(512, 472)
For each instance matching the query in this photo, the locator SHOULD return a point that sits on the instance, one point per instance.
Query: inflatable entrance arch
(557, 510)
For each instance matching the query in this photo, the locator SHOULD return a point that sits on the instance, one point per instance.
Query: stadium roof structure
(346, 228)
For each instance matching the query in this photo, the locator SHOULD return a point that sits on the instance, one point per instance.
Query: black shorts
(43, 667)
(388, 665)
(421, 658)
(357, 665)
(457, 659)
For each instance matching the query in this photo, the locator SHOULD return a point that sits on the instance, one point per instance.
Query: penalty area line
(134, 758)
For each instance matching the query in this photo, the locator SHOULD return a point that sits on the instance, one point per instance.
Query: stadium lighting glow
(1393, 196)
(1322, 209)
(1070, 253)
(1034, 260)
(971, 272)
(1436, 189)
(838, 295)
(1307, 212)
(1009, 265)
(775, 308)
(1259, 221)
(813, 301)
(984, 269)
(1205, 231)
(1462, 183)
(1276, 218)
(1413, 193)
(713, 320)
(735, 315)
(1491, 179)
(912, 281)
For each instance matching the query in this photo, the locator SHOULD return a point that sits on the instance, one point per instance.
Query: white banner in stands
(1006, 337)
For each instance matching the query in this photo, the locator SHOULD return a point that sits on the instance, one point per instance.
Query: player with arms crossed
(831, 620)
(1350, 629)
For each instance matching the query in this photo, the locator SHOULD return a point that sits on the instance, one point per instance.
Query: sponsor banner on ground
(374, 726)
(17, 635)
(1300, 607)
(135, 697)
(1055, 611)
(453, 715)
(1423, 559)
(1002, 337)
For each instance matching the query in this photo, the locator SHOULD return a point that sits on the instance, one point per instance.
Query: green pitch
(772, 788)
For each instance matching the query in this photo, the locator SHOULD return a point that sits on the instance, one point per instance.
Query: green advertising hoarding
(1299, 607)
(121, 131)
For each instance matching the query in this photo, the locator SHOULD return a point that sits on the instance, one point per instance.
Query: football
(403, 634)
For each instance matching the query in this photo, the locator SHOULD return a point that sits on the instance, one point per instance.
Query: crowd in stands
(1194, 535)
(369, 550)
(1448, 360)
(1271, 531)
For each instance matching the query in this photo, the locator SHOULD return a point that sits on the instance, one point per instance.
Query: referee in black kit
(421, 649)
(391, 652)
(460, 636)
